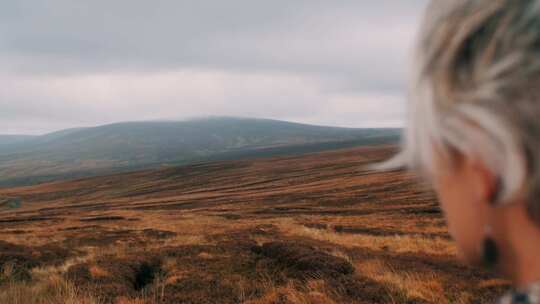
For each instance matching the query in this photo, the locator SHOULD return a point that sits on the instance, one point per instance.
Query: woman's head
(474, 116)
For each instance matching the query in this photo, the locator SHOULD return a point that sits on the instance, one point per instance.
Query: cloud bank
(80, 63)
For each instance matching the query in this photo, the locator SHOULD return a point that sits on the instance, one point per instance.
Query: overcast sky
(73, 63)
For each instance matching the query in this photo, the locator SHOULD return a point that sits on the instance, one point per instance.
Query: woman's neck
(519, 242)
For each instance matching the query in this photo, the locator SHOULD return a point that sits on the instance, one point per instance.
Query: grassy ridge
(123, 147)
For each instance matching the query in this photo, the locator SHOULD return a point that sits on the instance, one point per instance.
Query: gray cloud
(68, 63)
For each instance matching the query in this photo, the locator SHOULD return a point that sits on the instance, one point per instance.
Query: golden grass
(96, 271)
(35, 239)
(397, 244)
(314, 292)
(186, 239)
(409, 286)
(49, 286)
(492, 283)
(411, 224)
(54, 290)
(43, 273)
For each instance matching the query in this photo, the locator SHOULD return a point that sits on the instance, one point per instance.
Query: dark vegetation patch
(18, 258)
(319, 226)
(158, 234)
(185, 252)
(193, 273)
(231, 216)
(78, 207)
(21, 259)
(102, 218)
(385, 232)
(422, 210)
(263, 230)
(305, 260)
(219, 273)
(15, 231)
(291, 209)
(180, 206)
(36, 218)
(45, 255)
(202, 289)
(100, 237)
(111, 276)
(229, 271)
(238, 269)
(353, 288)
(74, 228)
(320, 212)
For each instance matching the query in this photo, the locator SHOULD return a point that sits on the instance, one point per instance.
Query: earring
(490, 252)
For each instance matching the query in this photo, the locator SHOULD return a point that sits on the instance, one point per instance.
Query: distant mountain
(136, 145)
(6, 140)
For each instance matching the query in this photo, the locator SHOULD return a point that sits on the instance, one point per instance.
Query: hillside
(313, 228)
(8, 140)
(137, 145)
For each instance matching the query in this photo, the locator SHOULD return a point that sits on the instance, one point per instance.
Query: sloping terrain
(120, 147)
(316, 228)
(8, 140)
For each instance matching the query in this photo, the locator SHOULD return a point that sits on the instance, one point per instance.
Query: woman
(474, 131)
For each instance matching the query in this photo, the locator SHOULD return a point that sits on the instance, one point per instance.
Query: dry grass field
(304, 229)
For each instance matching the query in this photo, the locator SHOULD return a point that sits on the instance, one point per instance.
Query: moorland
(312, 228)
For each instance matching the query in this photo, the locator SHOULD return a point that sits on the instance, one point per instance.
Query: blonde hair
(475, 89)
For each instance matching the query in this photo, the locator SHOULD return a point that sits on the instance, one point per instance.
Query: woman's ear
(487, 185)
